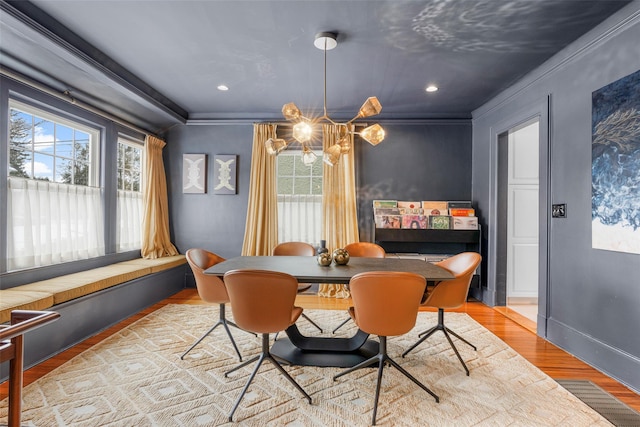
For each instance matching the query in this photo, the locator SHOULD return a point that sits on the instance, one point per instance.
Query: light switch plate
(559, 210)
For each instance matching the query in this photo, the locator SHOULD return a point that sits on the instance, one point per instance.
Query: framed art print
(224, 174)
(194, 173)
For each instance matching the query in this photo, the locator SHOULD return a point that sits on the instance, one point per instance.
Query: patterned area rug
(136, 378)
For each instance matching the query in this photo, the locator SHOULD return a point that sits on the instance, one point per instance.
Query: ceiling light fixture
(223, 88)
(304, 127)
(432, 88)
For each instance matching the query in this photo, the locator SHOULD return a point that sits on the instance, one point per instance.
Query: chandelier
(304, 128)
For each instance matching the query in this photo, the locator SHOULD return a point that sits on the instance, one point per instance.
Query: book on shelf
(414, 221)
(462, 212)
(435, 207)
(385, 204)
(388, 221)
(464, 223)
(440, 222)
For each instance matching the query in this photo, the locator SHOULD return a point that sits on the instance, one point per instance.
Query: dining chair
(384, 311)
(211, 289)
(450, 294)
(363, 250)
(262, 302)
(297, 249)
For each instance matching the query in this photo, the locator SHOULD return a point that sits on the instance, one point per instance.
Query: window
(299, 190)
(129, 195)
(54, 206)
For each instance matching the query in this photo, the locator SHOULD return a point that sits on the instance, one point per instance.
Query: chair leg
(441, 327)
(341, 324)
(224, 322)
(312, 322)
(264, 355)
(381, 358)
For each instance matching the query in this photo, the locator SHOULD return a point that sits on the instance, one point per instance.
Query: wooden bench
(90, 301)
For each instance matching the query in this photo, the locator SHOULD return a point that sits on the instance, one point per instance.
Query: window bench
(90, 301)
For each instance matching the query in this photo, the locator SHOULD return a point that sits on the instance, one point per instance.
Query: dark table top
(307, 270)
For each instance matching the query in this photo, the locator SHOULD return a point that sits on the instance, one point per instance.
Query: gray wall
(590, 298)
(431, 160)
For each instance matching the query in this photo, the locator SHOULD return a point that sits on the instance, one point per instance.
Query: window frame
(95, 138)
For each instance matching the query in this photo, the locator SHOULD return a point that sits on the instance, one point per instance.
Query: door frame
(496, 264)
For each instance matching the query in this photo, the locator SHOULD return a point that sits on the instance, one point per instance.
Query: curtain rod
(66, 96)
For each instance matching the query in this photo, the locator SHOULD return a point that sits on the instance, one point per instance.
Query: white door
(522, 220)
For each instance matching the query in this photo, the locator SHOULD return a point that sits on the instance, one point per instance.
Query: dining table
(299, 349)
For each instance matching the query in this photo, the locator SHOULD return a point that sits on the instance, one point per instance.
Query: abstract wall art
(194, 173)
(224, 174)
(615, 166)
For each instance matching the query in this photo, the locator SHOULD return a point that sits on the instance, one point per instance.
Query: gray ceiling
(164, 59)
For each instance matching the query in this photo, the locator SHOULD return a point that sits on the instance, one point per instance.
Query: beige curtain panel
(261, 229)
(156, 241)
(340, 221)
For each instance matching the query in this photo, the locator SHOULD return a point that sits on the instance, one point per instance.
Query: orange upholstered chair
(385, 311)
(362, 250)
(262, 302)
(450, 294)
(211, 289)
(297, 249)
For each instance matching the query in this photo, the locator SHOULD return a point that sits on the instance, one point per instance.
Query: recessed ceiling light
(223, 87)
(431, 88)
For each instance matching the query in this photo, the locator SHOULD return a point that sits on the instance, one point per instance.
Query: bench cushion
(70, 286)
(158, 264)
(14, 299)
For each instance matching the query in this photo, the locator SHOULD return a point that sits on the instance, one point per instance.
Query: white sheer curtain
(300, 218)
(129, 232)
(49, 223)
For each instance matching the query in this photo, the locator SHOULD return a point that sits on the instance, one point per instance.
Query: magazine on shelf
(388, 221)
(386, 211)
(464, 223)
(462, 212)
(385, 204)
(411, 211)
(410, 205)
(440, 222)
(459, 204)
(414, 221)
(435, 208)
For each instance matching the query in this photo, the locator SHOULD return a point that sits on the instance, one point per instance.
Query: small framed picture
(224, 174)
(194, 173)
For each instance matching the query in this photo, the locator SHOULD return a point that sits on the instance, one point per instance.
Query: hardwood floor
(552, 360)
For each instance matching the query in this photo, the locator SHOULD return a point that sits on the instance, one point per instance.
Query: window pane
(135, 184)
(64, 141)
(316, 185)
(301, 186)
(120, 180)
(44, 134)
(300, 168)
(43, 167)
(316, 168)
(81, 175)
(64, 170)
(285, 186)
(20, 130)
(285, 165)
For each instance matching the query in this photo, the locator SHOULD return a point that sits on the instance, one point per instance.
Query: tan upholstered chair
(298, 249)
(384, 311)
(450, 294)
(211, 289)
(262, 302)
(363, 250)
